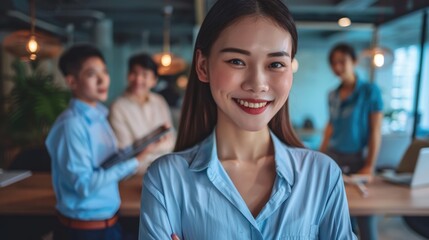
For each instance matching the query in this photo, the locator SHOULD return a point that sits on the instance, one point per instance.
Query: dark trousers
(62, 232)
(349, 164)
(419, 224)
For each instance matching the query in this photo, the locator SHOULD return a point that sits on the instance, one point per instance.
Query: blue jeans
(367, 227)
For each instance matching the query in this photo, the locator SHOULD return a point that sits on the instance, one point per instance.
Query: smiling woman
(248, 67)
(238, 158)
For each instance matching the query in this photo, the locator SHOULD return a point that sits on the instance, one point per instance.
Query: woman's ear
(201, 66)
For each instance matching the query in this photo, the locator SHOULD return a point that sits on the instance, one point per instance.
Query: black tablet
(135, 148)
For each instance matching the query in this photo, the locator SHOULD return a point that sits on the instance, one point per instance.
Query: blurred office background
(396, 30)
(393, 32)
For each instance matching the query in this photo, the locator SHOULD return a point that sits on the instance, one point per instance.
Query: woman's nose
(257, 81)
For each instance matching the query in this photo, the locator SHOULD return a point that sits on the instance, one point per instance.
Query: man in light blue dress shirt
(79, 141)
(190, 194)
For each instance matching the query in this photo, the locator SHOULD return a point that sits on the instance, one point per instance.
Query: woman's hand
(174, 237)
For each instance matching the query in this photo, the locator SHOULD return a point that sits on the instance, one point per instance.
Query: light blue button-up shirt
(78, 142)
(189, 193)
(350, 118)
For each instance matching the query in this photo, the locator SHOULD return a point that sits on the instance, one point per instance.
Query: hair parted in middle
(199, 111)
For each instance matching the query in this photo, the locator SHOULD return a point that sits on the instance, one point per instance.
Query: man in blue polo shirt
(355, 117)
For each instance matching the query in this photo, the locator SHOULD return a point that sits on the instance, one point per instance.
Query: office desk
(34, 196)
(386, 198)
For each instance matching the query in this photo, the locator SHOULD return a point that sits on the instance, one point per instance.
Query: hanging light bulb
(378, 60)
(166, 60)
(168, 63)
(32, 45)
(376, 56)
(33, 57)
(344, 22)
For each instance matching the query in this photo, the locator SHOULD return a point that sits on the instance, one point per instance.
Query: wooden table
(388, 199)
(34, 196)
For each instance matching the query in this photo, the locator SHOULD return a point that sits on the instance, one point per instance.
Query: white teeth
(251, 105)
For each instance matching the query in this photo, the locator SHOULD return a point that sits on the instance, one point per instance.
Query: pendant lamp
(377, 56)
(168, 63)
(32, 45)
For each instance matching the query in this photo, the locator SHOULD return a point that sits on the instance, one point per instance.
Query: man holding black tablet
(78, 143)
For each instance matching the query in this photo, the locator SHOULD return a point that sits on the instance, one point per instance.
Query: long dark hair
(199, 111)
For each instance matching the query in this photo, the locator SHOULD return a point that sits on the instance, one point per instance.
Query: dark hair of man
(71, 60)
(199, 111)
(343, 48)
(143, 60)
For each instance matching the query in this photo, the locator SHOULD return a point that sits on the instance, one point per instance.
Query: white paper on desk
(9, 177)
(356, 178)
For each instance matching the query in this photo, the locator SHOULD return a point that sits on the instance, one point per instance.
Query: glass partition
(397, 78)
(422, 127)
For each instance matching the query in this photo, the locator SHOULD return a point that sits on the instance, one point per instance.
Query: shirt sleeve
(336, 219)
(71, 149)
(376, 99)
(119, 125)
(155, 222)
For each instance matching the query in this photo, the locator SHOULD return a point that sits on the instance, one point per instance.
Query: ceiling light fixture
(344, 22)
(29, 44)
(168, 63)
(32, 45)
(376, 55)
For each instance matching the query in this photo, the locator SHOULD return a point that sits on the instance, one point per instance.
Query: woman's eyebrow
(235, 50)
(245, 52)
(278, 54)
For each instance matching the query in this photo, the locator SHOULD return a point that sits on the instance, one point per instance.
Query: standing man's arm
(374, 142)
(326, 136)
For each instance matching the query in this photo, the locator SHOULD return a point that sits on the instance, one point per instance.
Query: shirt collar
(207, 156)
(130, 97)
(358, 84)
(90, 113)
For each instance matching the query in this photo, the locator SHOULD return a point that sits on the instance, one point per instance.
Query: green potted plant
(32, 106)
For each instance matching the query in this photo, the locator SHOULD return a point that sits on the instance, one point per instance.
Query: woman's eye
(276, 65)
(236, 62)
(90, 74)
